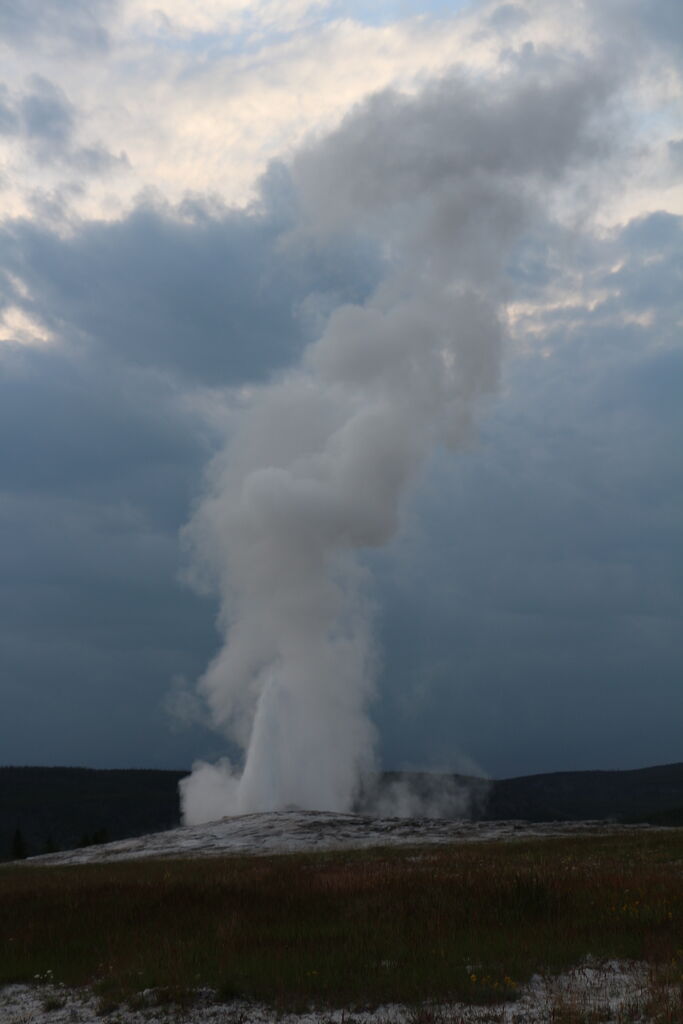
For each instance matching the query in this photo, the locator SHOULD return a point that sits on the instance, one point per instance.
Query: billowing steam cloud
(446, 180)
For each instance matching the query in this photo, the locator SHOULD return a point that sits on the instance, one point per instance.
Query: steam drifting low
(445, 182)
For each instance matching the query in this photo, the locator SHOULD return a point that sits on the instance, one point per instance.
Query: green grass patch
(460, 922)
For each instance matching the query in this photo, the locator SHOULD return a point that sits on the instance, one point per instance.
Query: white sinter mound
(298, 831)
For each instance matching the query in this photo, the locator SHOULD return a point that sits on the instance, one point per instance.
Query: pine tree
(19, 848)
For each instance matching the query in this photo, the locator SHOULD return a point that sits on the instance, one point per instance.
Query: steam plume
(316, 470)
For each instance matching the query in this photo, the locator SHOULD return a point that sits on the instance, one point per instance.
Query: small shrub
(53, 1002)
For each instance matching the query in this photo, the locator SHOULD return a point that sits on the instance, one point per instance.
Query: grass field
(461, 922)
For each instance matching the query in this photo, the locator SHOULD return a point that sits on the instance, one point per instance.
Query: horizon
(383, 771)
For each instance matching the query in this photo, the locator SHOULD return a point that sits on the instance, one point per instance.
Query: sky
(195, 200)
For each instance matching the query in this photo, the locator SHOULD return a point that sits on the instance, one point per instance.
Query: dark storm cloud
(46, 113)
(641, 271)
(659, 233)
(103, 451)
(77, 24)
(531, 621)
(97, 468)
(94, 624)
(85, 426)
(216, 295)
(548, 560)
(46, 121)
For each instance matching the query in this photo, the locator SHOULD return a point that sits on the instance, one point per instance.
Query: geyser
(445, 181)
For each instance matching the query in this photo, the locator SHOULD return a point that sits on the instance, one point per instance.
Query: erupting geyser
(445, 181)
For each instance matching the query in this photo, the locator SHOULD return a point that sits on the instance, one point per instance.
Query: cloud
(9, 121)
(505, 17)
(110, 417)
(86, 426)
(529, 603)
(46, 122)
(675, 147)
(655, 26)
(218, 295)
(75, 24)
(547, 560)
(97, 472)
(230, 86)
(181, 18)
(47, 115)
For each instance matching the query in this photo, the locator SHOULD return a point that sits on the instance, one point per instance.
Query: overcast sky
(158, 266)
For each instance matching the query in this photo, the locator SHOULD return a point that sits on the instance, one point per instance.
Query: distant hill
(639, 795)
(64, 807)
(644, 794)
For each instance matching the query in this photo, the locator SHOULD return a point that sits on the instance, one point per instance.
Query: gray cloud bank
(528, 604)
(106, 430)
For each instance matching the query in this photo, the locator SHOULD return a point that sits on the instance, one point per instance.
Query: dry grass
(468, 923)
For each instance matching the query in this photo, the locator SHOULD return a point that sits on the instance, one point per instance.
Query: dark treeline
(48, 809)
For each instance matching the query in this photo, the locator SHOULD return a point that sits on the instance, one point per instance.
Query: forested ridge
(44, 809)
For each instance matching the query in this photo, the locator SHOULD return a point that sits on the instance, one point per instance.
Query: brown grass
(460, 922)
